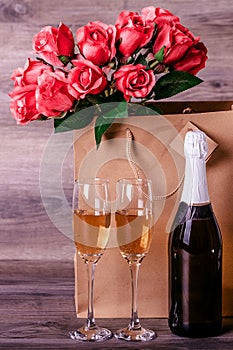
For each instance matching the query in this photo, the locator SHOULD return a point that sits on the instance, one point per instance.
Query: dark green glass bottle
(195, 252)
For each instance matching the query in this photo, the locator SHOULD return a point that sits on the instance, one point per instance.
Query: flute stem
(90, 322)
(134, 269)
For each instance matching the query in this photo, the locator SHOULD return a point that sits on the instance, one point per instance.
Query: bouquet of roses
(143, 57)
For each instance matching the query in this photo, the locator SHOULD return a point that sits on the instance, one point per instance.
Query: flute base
(92, 334)
(131, 334)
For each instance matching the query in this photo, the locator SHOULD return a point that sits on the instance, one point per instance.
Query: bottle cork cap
(195, 144)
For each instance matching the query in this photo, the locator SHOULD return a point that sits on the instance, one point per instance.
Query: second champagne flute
(134, 221)
(91, 224)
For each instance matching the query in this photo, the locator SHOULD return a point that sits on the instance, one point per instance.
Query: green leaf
(115, 109)
(160, 55)
(173, 83)
(77, 120)
(109, 112)
(101, 126)
(64, 59)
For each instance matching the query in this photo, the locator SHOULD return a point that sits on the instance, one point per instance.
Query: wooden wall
(25, 229)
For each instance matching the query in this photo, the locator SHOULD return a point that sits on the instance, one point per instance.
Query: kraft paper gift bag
(152, 147)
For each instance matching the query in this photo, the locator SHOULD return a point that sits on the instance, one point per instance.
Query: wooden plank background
(26, 231)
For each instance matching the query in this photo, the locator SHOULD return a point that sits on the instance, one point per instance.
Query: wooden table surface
(37, 312)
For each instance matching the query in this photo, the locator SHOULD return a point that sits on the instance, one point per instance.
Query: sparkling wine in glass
(91, 225)
(134, 221)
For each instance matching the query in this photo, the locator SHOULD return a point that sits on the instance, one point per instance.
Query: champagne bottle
(195, 251)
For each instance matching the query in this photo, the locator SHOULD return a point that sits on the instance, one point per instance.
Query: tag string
(136, 171)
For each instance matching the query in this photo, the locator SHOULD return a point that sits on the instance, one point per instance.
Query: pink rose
(96, 42)
(29, 74)
(178, 42)
(134, 81)
(23, 104)
(194, 59)
(133, 32)
(150, 14)
(52, 42)
(52, 94)
(86, 78)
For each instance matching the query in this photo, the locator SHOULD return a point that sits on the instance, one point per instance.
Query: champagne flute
(134, 221)
(91, 225)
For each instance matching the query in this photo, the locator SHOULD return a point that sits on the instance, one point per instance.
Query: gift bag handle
(134, 167)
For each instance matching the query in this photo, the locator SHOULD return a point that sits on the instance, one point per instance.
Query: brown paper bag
(157, 151)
